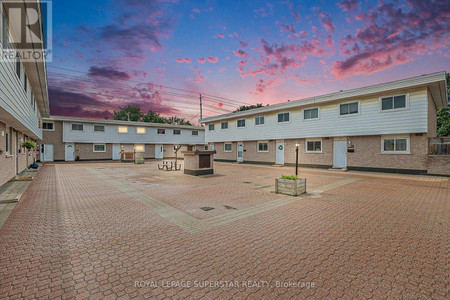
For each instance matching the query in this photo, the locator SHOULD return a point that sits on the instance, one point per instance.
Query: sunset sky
(162, 54)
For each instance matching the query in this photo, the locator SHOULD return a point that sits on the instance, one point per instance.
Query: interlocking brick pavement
(79, 232)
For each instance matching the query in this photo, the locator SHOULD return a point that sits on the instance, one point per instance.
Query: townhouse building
(70, 139)
(23, 100)
(383, 127)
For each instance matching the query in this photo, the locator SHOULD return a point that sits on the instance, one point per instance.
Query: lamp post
(296, 159)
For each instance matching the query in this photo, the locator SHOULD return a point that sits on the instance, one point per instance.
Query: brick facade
(55, 138)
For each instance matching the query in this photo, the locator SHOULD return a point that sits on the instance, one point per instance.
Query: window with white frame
(224, 125)
(311, 113)
(140, 130)
(99, 148)
(161, 131)
(99, 128)
(240, 123)
(227, 147)
(176, 131)
(263, 147)
(194, 132)
(259, 120)
(77, 127)
(8, 143)
(139, 148)
(394, 102)
(283, 117)
(48, 126)
(313, 146)
(122, 129)
(395, 145)
(351, 108)
(211, 127)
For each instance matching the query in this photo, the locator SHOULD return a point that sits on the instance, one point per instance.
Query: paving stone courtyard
(112, 230)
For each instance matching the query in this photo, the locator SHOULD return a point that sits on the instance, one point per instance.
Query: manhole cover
(206, 208)
(230, 207)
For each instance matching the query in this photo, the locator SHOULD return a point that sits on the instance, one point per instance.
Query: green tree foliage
(135, 113)
(443, 115)
(248, 107)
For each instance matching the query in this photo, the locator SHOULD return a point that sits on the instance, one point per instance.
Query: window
(283, 117)
(48, 126)
(99, 128)
(194, 132)
(211, 127)
(263, 147)
(313, 146)
(77, 127)
(227, 147)
(395, 145)
(176, 131)
(8, 145)
(140, 130)
(139, 148)
(25, 83)
(224, 125)
(99, 148)
(394, 102)
(122, 129)
(312, 113)
(5, 40)
(259, 120)
(346, 109)
(206, 148)
(161, 131)
(241, 123)
(18, 67)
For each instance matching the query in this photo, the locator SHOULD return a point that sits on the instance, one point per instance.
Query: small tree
(248, 107)
(128, 113)
(443, 115)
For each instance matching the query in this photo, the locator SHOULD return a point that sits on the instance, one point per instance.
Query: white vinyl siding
(370, 122)
(227, 147)
(99, 148)
(395, 145)
(263, 147)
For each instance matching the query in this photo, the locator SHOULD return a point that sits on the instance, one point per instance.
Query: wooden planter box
(139, 161)
(290, 187)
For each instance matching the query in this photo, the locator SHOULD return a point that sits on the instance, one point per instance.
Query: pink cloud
(243, 44)
(240, 53)
(196, 10)
(201, 60)
(183, 60)
(348, 5)
(221, 35)
(213, 60)
(222, 69)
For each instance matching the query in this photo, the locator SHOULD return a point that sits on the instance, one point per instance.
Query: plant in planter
(139, 160)
(29, 145)
(290, 185)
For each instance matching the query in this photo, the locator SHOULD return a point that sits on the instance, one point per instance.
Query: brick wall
(251, 153)
(6, 161)
(55, 138)
(86, 152)
(221, 154)
(439, 165)
(368, 154)
(314, 159)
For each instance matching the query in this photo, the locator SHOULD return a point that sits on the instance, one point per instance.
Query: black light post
(296, 159)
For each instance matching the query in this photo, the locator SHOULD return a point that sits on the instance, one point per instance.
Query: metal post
(296, 159)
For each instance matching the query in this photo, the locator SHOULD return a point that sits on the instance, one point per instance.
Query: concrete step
(338, 169)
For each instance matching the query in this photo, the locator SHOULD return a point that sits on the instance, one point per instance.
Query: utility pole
(201, 109)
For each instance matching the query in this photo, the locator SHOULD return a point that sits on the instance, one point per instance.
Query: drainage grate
(206, 208)
(230, 207)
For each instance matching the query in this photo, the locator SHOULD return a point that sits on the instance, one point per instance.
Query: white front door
(70, 152)
(116, 152)
(159, 151)
(47, 152)
(340, 154)
(240, 152)
(280, 153)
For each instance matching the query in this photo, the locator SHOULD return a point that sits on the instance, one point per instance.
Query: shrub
(290, 177)
(29, 145)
